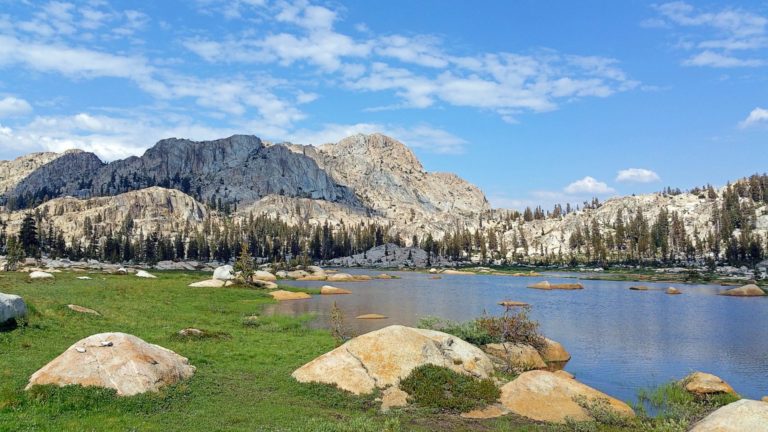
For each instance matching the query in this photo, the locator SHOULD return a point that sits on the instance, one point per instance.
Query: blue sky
(535, 102)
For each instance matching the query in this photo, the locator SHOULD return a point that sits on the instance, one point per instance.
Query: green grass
(242, 382)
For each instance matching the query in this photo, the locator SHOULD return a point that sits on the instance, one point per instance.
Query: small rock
(673, 291)
(489, 412)
(371, 316)
(703, 383)
(264, 276)
(212, 283)
(330, 290)
(81, 350)
(639, 288)
(341, 277)
(393, 397)
(187, 332)
(510, 303)
(145, 274)
(40, 275)
(121, 271)
(383, 276)
(84, 278)
(282, 295)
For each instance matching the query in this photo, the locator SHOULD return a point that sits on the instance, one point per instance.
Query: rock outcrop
(740, 416)
(548, 397)
(11, 307)
(118, 361)
(383, 357)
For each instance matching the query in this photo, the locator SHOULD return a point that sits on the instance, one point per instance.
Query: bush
(444, 389)
(514, 326)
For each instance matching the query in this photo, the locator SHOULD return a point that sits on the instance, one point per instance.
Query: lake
(620, 340)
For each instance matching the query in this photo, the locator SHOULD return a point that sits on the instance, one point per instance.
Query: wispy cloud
(637, 175)
(11, 106)
(728, 37)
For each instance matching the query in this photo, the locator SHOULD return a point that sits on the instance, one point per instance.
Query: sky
(535, 102)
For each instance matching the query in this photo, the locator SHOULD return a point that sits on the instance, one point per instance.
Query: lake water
(620, 340)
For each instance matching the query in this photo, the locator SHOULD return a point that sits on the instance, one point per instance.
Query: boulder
(548, 397)
(115, 360)
(673, 291)
(384, 276)
(82, 309)
(383, 357)
(224, 273)
(263, 284)
(750, 290)
(341, 277)
(701, 383)
(739, 416)
(433, 270)
(84, 278)
(555, 352)
(145, 274)
(519, 356)
(282, 274)
(297, 274)
(40, 275)
(329, 290)
(211, 283)
(121, 271)
(316, 271)
(263, 276)
(371, 316)
(11, 307)
(282, 295)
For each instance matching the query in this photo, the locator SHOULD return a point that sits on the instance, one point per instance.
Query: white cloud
(588, 185)
(422, 136)
(726, 34)
(756, 116)
(11, 107)
(637, 175)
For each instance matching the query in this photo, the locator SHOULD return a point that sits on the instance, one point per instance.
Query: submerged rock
(548, 397)
(703, 384)
(115, 360)
(639, 288)
(384, 357)
(11, 307)
(673, 291)
(750, 290)
(330, 290)
(740, 416)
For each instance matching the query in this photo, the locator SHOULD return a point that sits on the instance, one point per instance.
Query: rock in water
(548, 397)
(40, 275)
(639, 288)
(341, 277)
(115, 360)
(145, 274)
(703, 384)
(224, 273)
(673, 291)
(11, 307)
(383, 357)
(282, 295)
(750, 290)
(211, 283)
(329, 290)
(740, 416)
(371, 316)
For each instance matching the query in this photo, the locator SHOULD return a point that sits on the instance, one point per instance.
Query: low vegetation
(447, 390)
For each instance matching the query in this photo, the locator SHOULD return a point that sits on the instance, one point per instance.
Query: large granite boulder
(740, 416)
(750, 290)
(549, 397)
(115, 360)
(211, 283)
(704, 384)
(224, 273)
(383, 357)
(11, 307)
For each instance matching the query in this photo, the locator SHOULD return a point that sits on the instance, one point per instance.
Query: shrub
(447, 390)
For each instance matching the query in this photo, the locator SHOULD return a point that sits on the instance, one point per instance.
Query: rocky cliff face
(13, 172)
(69, 174)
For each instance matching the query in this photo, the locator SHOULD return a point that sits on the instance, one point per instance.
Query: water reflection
(621, 340)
